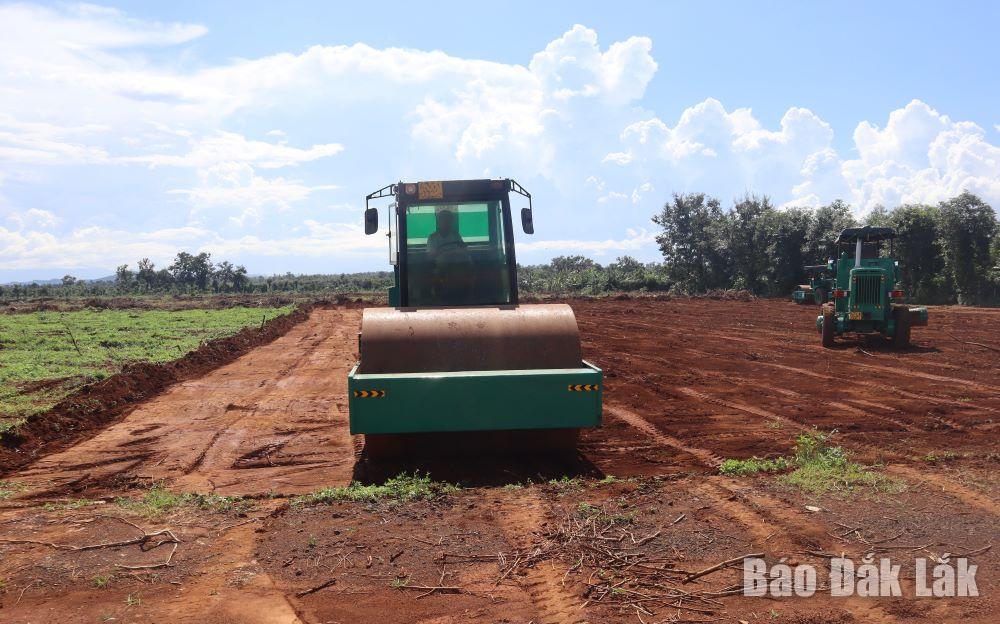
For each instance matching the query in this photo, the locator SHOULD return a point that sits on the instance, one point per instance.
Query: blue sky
(254, 130)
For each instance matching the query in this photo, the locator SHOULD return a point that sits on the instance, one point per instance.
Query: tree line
(198, 274)
(189, 272)
(948, 252)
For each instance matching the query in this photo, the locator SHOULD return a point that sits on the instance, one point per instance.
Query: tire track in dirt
(784, 341)
(755, 384)
(521, 522)
(807, 349)
(714, 483)
(843, 380)
(247, 410)
(955, 490)
(903, 373)
(705, 456)
(871, 385)
(772, 522)
(232, 587)
(904, 425)
(743, 407)
(860, 413)
(288, 390)
(665, 372)
(947, 486)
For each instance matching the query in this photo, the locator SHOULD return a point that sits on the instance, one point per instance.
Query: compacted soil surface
(223, 498)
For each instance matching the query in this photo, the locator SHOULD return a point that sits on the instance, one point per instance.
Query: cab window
(455, 254)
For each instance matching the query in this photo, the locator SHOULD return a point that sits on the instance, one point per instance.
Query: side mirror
(527, 223)
(371, 220)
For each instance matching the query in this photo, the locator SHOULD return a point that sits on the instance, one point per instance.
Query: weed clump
(401, 488)
(744, 467)
(11, 426)
(102, 580)
(817, 467)
(70, 505)
(567, 483)
(600, 515)
(944, 456)
(158, 501)
(10, 488)
(823, 468)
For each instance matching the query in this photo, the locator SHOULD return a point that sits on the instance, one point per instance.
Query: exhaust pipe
(857, 254)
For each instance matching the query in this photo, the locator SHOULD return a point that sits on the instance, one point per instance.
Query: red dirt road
(273, 421)
(688, 383)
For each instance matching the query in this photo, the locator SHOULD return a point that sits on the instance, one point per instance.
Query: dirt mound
(100, 403)
(727, 295)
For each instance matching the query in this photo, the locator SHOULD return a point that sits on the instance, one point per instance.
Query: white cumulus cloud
(919, 156)
(87, 109)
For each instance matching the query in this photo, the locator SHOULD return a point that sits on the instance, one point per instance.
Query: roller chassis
(497, 384)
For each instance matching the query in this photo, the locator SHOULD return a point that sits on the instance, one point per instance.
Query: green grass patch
(943, 456)
(566, 484)
(10, 426)
(612, 480)
(102, 580)
(817, 467)
(46, 356)
(70, 505)
(744, 467)
(823, 468)
(158, 501)
(10, 488)
(602, 516)
(401, 488)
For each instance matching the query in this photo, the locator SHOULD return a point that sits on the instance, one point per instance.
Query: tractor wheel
(901, 339)
(829, 327)
(819, 296)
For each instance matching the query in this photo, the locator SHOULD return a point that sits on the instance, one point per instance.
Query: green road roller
(456, 357)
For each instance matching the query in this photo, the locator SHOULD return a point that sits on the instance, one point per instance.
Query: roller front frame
(475, 400)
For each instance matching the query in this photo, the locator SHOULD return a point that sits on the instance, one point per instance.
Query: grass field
(45, 356)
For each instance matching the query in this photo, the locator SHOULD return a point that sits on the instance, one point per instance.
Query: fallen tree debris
(618, 568)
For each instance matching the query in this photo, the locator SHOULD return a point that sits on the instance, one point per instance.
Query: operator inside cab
(445, 244)
(450, 257)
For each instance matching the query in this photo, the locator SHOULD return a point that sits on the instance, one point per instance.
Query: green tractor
(457, 362)
(866, 298)
(820, 287)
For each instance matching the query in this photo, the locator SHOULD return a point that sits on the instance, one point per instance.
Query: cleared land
(606, 536)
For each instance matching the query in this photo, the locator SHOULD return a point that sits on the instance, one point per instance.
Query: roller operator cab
(866, 295)
(456, 351)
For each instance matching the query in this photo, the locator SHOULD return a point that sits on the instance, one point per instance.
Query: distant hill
(57, 281)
